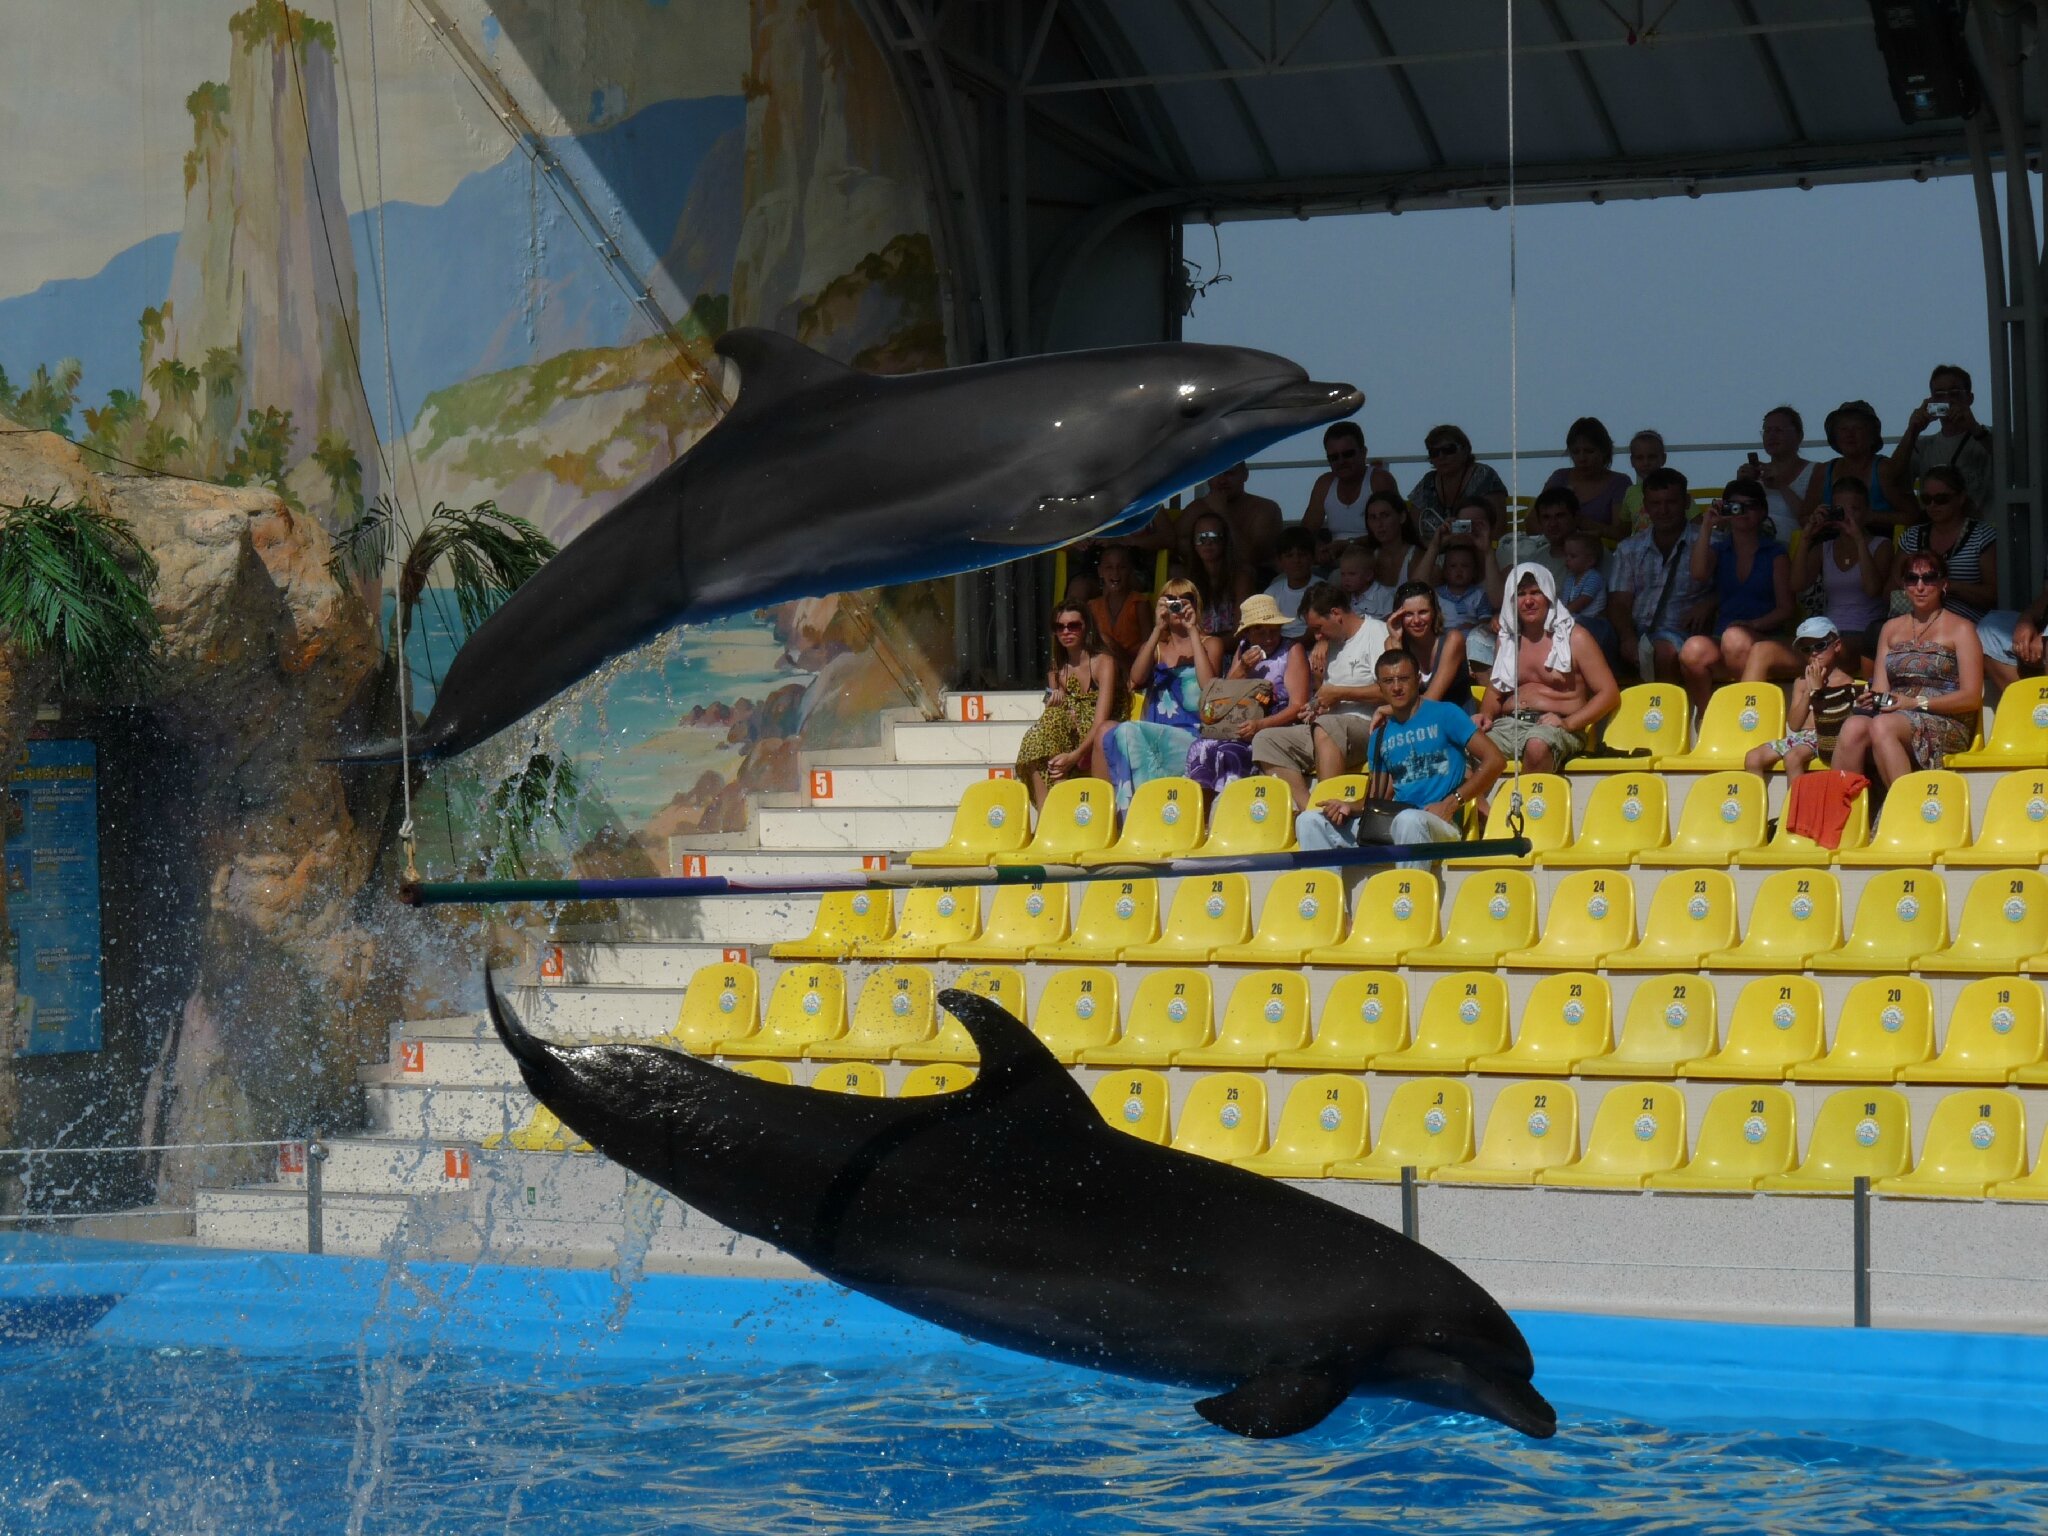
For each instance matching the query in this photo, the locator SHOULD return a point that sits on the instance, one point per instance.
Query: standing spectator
(1337, 499)
(1857, 437)
(1338, 711)
(1968, 547)
(1784, 475)
(1961, 445)
(2012, 642)
(1424, 753)
(1225, 579)
(1259, 653)
(1297, 571)
(1752, 578)
(1645, 453)
(1822, 698)
(1452, 476)
(1396, 549)
(1081, 692)
(1851, 566)
(1550, 684)
(1417, 627)
(1593, 479)
(1119, 613)
(1927, 689)
(1654, 601)
(1173, 666)
(1254, 521)
(1584, 589)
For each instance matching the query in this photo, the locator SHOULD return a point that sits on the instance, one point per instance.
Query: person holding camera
(1851, 566)
(1172, 667)
(1784, 475)
(1855, 433)
(1960, 444)
(1927, 688)
(1280, 669)
(1822, 698)
(1752, 581)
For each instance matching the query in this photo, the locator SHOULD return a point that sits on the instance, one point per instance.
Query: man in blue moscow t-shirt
(1424, 753)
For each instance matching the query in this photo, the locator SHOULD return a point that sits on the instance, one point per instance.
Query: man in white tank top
(1338, 500)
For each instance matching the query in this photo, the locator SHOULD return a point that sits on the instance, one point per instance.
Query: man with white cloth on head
(1550, 683)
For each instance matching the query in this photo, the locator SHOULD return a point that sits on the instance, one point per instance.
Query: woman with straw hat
(1281, 666)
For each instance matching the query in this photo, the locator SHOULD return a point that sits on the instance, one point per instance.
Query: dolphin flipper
(1276, 1403)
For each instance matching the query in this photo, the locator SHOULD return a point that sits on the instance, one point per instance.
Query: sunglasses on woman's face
(1443, 450)
(1067, 625)
(1919, 579)
(1208, 538)
(1940, 498)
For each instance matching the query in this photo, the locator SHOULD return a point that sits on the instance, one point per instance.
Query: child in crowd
(1645, 453)
(1584, 589)
(1461, 596)
(1355, 576)
(1327, 553)
(1296, 559)
(1822, 698)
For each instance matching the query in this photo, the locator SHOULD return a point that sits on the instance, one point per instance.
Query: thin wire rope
(169, 1146)
(1514, 425)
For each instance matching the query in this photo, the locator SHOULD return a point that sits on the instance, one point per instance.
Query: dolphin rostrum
(1011, 1212)
(823, 479)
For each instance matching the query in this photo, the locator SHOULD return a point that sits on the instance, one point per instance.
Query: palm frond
(489, 554)
(545, 790)
(74, 587)
(361, 549)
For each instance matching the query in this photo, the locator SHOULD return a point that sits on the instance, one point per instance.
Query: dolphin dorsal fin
(774, 366)
(1012, 1058)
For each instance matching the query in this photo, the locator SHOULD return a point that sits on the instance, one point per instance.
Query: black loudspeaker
(1925, 58)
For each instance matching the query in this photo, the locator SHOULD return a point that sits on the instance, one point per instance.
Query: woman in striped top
(1968, 546)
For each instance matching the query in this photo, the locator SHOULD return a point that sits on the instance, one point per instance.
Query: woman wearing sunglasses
(1080, 699)
(1751, 575)
(1968, 547)
(1927, 689)
(1226, 581)
(1453, 474)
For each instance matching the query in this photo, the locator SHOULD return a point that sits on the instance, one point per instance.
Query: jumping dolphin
(823, 479)
(1009, 1211)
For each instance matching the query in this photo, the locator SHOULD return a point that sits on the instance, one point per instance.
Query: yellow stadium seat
(1638, 1130)
(1797, 914)
(1322, 1122)
(1627, 815)
(1568, 1017)
(1995, 1034)
(1778, 1023)
(933, 917)
(1670, 1021)
(1304, 910)
(1076, 1011)
(1170, 1012)
(1737, 718)
(1788, 849)
(1253, 815)
(766, 1071)
(1000, 984)
(1427, 1123)
(1134, 1100)
(2003, 926)
(1079, 816)
(1975, 1139)
(1691, 916)
(1493, 915)
(895, 1009)
(807, 1008)
(1020, 918)
(1747, 1134)
(2019, 730)
(1532, 1126)
(1344, 786)
(935, 1077)
(844, 919)
(1208, 910)
(1545, 800)
(1392, 914)
(1267, 1012)
(1926, 817)
(1464, 1017)
(1223, 1117)
(1364, 1014)
(1901, 916)
(1723, 817)
(1592, 916)
(1859, 1133)
(1886, 1025)
(1651, 721)
(543, 1132)
(2015, 831)
(2028, 1186)
(1113, 915)
(1164, 820)
(994, 817)
(862, 1079)
(723, 1002)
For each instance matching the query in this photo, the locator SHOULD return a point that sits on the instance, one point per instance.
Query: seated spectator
(1452, 476)
(1172, 667)
(1254, 521)
(1927, 689)
(1961, 444)
(1225, 579)
(1851, 566)
(1081, 694)
(1555, 515)
(1592, 478)
(1822, 697)
(1654, 601)
(1119, 613)
(1417, 627)
(1342, 703)
(1337, 500)
(1259, 653)
(1461, 595)
(2012, 642)
(1645, 453)
(1968, 547)
(1354, 576)
(1422, 752)
(1396, 550)
(1584, 589)
(1550, 684)
(1752, 581)
(1857, 436)
(1297, 571)
(1784, 475)
(1323, 567)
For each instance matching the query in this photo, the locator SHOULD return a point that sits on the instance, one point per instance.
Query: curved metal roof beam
(1404, 87)
(1584, 75)
(1088, 24)
(1774, 76)
(1246, 118)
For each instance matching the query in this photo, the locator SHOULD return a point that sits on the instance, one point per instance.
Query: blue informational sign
(53, 898)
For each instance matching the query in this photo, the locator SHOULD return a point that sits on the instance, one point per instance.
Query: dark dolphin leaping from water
(822, 479)
(1009, 1211)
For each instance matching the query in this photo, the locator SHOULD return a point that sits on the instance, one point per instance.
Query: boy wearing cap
(1822, 698)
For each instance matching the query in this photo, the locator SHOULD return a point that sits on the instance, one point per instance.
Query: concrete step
(917, 786)
(427, 1112)
(897, 831)
(267, 1216)
(948, 741)
(372, 1165)
(649, 964)
(973, 708)
(687, 861)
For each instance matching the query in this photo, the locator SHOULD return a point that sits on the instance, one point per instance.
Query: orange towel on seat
(1817, 805)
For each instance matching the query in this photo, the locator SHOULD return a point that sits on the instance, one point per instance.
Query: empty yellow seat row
(1078, 823)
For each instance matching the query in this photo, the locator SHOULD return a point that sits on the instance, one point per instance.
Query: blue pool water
(235, 1393)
